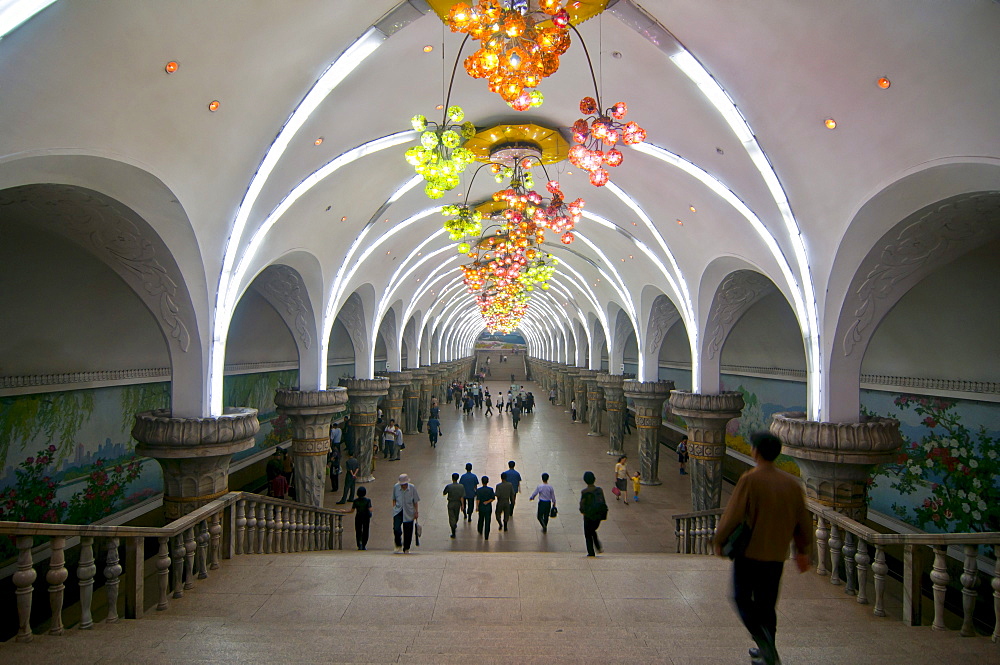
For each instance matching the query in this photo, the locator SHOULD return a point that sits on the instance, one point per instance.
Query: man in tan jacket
(770, 502)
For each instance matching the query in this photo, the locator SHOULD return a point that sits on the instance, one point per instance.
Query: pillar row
(595, 403)
(614, 401)
(398, 383)
(706, 417)
(648, 397)
(836, 459)
(310, 413)
(411, 397)
(194, 453)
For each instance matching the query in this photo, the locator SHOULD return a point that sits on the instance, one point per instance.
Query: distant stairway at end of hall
(511, 370)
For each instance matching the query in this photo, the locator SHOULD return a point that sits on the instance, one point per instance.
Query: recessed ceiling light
(830, 123)
(617, 55)
(720, 151)
(214, 105)
(623, 260)
(388, 252)
(630, 256)
(328, 208)
(634, 224)
(439, 107)
(428, 48)
(171, 67)
(343, 219)
(692, 209)
(680, 223)
(318, 141)
(883, 83)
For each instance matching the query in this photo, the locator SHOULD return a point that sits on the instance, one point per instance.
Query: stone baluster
(303, 530)
(940, 579)
(310, 531)
(177, 565)
(194, 453)
(706, 417)
(836, 459)
(86, 570)
(55, 577)
(190, 547)
(836, 545)
(24, 580)
(680, 534)
(648, 397)
(296, 530)
(328, 532)
(112, 574)
(202, 552)
(822, 542)
(261, 528)
(251, 532)
(363, 395)
(862, 560)
(970, 580)
(283, 527)
(163, 572)
(338, 532)
(879, 570)
(849, 564)
(614, 401)
(995, 584)
(215, 531)
(310, 413)
(271, 527)
(241, 526)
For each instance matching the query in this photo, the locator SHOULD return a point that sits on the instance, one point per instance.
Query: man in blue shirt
(514, 478)
(405, 502)
(470, 482)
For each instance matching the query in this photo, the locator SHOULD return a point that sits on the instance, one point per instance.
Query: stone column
(580, 389)
(398, 383)
(194, 453)
(595, 403)
(648, 397)
(311, 412)
(572, 374)
(836, 459)
(560, 378)
(411, 395)
(364, 395)
(614, 400)
(706, 417)
(425, 390)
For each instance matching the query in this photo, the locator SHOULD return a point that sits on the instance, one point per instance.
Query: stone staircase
(490, 607)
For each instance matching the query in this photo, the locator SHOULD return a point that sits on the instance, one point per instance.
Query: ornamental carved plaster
(623, 326)
(352, 315)
(938, 235)
(737, 293)
(282, 286)
(104, 229)
(661, 318)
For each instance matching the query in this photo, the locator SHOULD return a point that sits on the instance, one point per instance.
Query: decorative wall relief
(282, 286)
(736, 294)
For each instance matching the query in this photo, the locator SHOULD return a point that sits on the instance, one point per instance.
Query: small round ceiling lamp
(214, 105)
(830, 123)
(883, 83)
(171, 67)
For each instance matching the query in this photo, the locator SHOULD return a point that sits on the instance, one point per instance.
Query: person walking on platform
(546, 501)
(515, 479)
(362, 508)
(621, 479)
(489, 404)
(455, 492)
(405, 512)
(504, 493)
(433, 431)
(594, 509)
(470, 482)
(484, 500)
(769, 505)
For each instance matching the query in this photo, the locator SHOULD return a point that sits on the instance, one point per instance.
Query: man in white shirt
(405, 501)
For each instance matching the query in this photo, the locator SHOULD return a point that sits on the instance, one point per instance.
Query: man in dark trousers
(594, 509)
(515, 479)
(484, 499)
(351, 468)
(470, 482)
(770, 503)
(455, 492)
(504, 494)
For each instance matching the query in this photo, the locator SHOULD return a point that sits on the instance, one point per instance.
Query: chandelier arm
(451, 83)
(468, 192)
(590, 64)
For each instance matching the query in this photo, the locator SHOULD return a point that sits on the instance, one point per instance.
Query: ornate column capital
(194, 453)
(836, 459)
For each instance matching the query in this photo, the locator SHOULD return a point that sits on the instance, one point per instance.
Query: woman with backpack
(594, 509)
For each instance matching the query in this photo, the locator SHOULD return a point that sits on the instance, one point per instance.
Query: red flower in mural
(930, 422)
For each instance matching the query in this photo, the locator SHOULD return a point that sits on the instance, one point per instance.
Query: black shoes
(340, 503)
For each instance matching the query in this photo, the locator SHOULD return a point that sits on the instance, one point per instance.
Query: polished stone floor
(546, 441)
(522, 597)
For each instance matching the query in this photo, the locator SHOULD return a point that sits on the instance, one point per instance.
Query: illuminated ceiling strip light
(618, 284)
(719, 98)
(584, 287)
(349, 60)
(414, 301)
(395, 281)
(15, 13)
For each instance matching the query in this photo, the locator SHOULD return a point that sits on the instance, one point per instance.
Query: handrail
(187, 549)
(843, 552)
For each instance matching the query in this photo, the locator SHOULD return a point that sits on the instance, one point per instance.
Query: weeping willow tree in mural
(55, 417)
(951, 467)
(257, 391)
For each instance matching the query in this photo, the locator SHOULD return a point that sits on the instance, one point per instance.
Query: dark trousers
(402, 532)
(334, 482)
(755, 591)
(361, 528)
(470, 507)
(544, 513)
(454, 508)
(433, 436)
(349, 484)
(503, 514)
(485, 517)
(590, 534)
